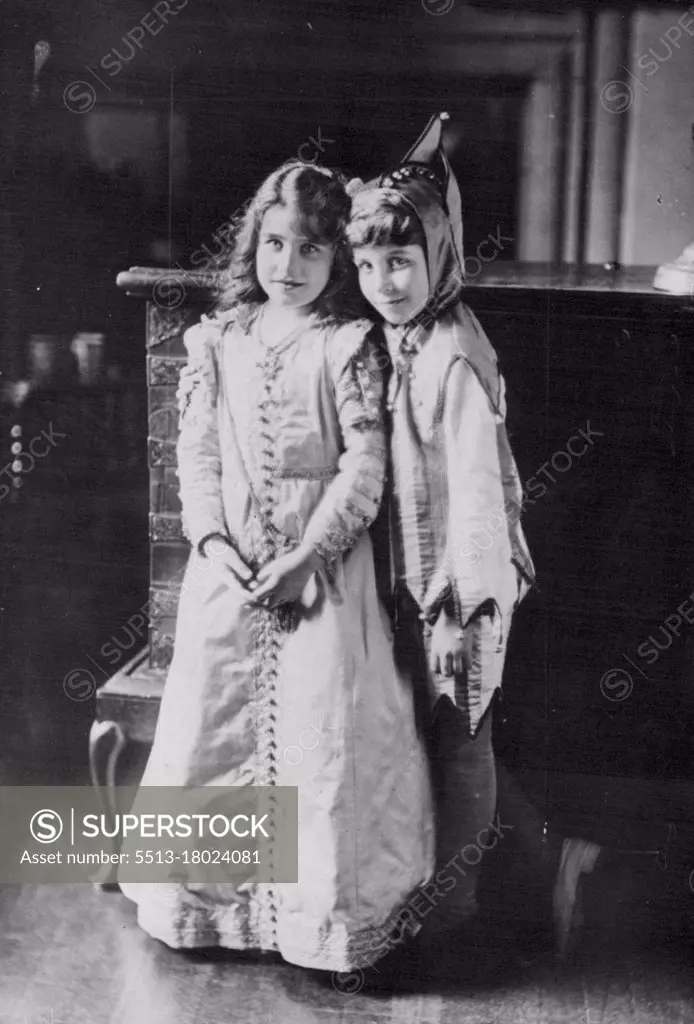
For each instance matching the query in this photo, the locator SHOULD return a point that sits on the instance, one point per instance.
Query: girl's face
(291, 269)
(394, 279)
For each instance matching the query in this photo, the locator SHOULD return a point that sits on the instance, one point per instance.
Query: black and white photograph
(346, 529)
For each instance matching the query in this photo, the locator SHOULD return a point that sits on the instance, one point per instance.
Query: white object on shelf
(677, 277)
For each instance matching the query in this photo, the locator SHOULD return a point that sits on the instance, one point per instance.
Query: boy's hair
(322, 206)
(385, 220)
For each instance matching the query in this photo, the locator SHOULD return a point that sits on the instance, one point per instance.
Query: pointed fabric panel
(428, 150)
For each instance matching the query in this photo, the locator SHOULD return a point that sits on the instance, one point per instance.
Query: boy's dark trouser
(464, 778)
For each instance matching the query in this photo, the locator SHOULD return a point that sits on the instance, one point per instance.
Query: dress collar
(405, 342)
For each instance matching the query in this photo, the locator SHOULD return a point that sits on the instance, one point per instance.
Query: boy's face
(394, 279)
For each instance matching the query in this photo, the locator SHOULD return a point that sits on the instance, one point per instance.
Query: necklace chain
(274, 346)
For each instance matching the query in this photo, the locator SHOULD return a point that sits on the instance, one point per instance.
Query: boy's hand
(283, 581)
(227, 563)
(447, 650)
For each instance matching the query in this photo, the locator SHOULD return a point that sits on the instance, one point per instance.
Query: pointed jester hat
(425, 179)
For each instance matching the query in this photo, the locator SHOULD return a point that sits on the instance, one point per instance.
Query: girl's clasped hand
(228, 564)
(281, 581)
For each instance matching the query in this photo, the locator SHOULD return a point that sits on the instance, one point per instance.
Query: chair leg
(106, 742)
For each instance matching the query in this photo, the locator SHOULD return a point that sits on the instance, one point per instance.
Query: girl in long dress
(283, 647)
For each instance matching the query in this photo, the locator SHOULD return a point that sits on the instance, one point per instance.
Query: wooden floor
(74, 955)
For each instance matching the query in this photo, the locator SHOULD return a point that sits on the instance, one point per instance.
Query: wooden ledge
(593, 279)
(168, 287)
(171, 288)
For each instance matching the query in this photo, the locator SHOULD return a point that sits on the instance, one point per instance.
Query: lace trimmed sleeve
(351, 502)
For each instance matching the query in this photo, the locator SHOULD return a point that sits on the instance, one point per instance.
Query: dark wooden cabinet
(598, 368)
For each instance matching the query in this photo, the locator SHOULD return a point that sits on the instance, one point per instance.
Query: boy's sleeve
(199, 456)
(478, 559)
(351, 502)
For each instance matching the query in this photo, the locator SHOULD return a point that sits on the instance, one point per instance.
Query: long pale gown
(277, 444)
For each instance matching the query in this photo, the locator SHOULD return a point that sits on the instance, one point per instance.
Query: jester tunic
(455, 496)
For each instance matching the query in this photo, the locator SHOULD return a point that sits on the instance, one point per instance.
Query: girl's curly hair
(322, 206)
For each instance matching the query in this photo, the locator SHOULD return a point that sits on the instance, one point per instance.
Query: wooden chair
(127, 706)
